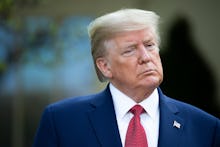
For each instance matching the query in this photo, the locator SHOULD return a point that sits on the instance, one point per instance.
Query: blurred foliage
(41, 49)
(5, 8)
(41, 61)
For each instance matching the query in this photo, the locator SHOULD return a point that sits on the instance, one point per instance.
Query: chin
(152, 82)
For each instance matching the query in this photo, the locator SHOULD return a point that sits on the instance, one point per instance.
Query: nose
(144, 55)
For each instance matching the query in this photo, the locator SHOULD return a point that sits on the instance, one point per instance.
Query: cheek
(124, 69)
(160, 67)
(158, 63)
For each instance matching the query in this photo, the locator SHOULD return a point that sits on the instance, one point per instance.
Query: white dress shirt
(149, 120)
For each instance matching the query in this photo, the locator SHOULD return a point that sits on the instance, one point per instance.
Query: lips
(148, 71)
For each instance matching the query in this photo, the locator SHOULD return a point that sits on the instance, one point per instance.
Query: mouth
(148, 72)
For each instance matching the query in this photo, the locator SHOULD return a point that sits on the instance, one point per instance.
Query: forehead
(134, 36)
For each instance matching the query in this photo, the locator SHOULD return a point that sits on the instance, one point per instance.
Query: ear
(104, 66)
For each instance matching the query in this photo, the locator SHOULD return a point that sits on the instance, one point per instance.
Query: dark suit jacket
(90, 121)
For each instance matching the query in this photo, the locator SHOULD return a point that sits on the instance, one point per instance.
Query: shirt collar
(123, 103)
(151, 104)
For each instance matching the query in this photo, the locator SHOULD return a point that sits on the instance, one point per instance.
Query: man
(125, 49)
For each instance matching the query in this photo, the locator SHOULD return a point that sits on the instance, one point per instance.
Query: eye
(149, 45)
(129, 51)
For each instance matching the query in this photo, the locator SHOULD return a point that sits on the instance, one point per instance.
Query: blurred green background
(45, 56)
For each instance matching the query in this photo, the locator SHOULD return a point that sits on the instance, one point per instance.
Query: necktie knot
(137, 110)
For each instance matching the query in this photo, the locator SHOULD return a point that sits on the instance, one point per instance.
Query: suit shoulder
(73, 103)
(190, 110)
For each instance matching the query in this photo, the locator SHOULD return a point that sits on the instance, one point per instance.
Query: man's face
(133, 60)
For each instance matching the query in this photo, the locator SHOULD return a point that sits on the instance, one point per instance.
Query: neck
(136, 94)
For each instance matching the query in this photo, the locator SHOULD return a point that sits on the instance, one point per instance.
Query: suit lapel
(171, 125)
(103, 120)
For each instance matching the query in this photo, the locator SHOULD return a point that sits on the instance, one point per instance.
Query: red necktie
(136, 136)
